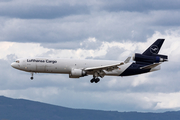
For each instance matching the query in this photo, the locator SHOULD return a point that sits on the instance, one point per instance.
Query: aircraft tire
(97, 80)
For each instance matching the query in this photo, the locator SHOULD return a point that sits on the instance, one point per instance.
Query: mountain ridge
(21, 109)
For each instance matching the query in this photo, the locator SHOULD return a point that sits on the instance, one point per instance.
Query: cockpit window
(17, 61)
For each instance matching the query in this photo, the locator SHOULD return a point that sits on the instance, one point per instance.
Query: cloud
(105, 30)
(155, 91)
(21, 49)
(70, 31)
(120, 101)
(139, 6)
(5, 0)
(28, 10)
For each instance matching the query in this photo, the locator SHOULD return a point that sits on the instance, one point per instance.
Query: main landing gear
(96, 80)
(97, 74)
(31, 76)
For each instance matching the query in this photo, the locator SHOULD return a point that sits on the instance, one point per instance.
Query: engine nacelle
(76, 73)
(149, 59)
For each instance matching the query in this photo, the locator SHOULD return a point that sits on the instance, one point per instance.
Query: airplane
(146, 62)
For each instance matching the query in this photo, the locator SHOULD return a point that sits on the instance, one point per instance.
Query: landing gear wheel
(31, 76)
(91, 80)
(97, 80)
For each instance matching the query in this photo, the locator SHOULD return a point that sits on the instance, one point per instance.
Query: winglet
(127, 60)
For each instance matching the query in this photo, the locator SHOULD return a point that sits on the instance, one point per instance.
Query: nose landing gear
(31, 75)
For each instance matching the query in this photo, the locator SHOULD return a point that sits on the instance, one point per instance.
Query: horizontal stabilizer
(150, 66)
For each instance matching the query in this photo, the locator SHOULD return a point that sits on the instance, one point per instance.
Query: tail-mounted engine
(76, 73)
(150, 59)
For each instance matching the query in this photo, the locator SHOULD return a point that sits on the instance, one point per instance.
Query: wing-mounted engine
(76, 73)
(150, 59)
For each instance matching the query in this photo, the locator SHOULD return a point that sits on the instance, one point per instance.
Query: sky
(96, 29)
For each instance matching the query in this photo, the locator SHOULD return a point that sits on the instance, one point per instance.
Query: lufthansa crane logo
(154, 49)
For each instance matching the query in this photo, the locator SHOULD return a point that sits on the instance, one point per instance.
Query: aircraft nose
(13, 65)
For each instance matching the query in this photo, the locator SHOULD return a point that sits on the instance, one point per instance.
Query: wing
(105, 67)
(98, 71)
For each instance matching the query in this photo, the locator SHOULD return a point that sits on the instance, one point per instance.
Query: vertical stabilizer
(154, 48)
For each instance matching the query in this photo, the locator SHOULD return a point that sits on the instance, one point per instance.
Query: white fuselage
(64, 66)
(146, 62)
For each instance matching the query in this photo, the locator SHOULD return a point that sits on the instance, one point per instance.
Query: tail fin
(154, 48)
(151, 54)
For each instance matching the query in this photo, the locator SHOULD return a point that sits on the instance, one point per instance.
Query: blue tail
(147, 61)
(154, 48)
(151, 54)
